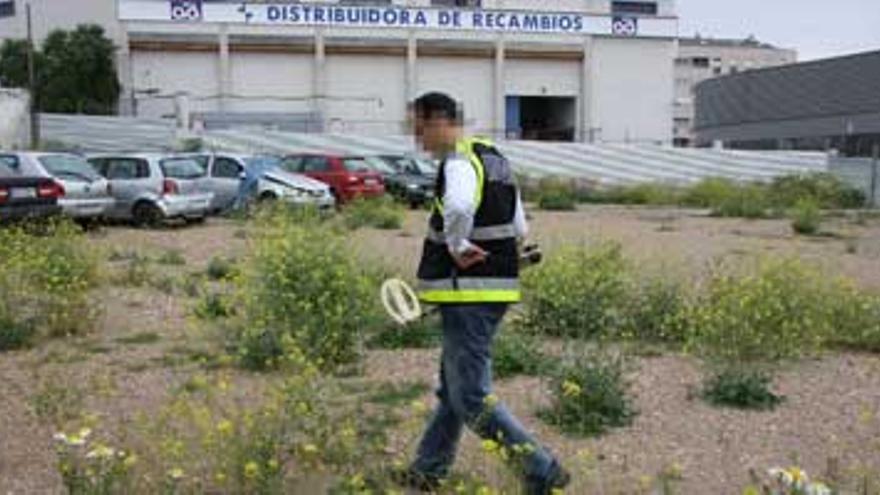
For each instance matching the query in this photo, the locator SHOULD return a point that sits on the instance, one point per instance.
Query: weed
(220, 268)
(393, 394)
(140, 338)
(806, 217)
(516, 353)
(590, 393)
(136, 273)
(212, 306)
(172, 257)
(580, 292)
(422, 334)
(57, 401)
(741, 388)
(556, 195)
(381, 213)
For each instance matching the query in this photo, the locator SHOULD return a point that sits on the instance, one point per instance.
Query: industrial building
(700, 58)
(831, 104)
(571, 70)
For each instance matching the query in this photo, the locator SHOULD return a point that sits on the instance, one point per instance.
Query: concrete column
(586, 123)
(411, 84)
(224, 79)
(499, 106)
(125, 69)
(319, 82)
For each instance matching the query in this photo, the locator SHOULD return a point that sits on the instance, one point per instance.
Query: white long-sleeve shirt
(459, 206)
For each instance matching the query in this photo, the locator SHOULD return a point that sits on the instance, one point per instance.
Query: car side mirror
(242, 176)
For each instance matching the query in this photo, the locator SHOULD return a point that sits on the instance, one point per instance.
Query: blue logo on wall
(625, 26)
(186, 10)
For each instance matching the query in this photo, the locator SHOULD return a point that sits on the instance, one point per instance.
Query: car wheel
(146, 214)
(268, 197)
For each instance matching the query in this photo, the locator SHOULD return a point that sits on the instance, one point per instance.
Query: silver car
(227, 173)
(151, 188)
(84, 193)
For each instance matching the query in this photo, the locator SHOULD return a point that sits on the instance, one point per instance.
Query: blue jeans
(465, 382)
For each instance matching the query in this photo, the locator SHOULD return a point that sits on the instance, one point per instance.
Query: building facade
(820, 105)
(580, 70)
(700, 59)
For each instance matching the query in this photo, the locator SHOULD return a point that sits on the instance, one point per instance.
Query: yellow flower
(570, 389)
(419, 407)
(273, 465)
(220, 477)
(251, 470)
(357, 481)
(490, 446)
(176, 473)
(130, 461)
(491, 400)
(225, 427)
(310, 448)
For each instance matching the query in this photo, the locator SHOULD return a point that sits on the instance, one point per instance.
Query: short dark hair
(436, 105)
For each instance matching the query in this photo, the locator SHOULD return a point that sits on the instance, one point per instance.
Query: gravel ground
(830, 415)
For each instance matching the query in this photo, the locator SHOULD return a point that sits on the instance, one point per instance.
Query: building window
(457, 3)
(702, 62)
(637, 8)
(7, 8)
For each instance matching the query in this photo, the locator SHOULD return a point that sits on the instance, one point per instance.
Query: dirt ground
(830, 416)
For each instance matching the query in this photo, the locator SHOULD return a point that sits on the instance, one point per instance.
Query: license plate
(371, 182)
(23, 193)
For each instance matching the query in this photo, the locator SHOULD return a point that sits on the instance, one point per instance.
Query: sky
(815, 28)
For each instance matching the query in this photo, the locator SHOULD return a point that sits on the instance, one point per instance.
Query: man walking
(470, 269)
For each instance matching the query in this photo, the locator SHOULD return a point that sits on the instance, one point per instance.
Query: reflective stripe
(466, 148)
(493, 233)
(470, 296)
(470, 283)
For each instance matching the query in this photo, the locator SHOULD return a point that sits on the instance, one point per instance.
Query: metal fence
(861, 173)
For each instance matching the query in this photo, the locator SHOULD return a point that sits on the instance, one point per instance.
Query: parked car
(83, 193)
(152, 188)
(405, 179)
(23, 198)
(226, 171)
(349, 177)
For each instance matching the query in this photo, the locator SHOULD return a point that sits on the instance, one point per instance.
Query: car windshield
(380, 165)
(263, 163)
(181, 168)
(69, 167)
(427, 167)
(356, 165)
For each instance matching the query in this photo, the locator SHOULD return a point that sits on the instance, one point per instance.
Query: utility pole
(32, 82)
(875, 158)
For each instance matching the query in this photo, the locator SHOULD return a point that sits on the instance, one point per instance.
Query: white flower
(782, 476)
(818, 489)
(85, 432)
(101, 452)
(60, 438)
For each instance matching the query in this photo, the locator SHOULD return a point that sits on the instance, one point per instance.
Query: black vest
(440, 280)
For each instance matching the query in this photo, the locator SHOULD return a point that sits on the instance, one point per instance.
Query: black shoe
(558, 479)
(410, 478)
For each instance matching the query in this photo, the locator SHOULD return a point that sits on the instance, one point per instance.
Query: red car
(349, 177)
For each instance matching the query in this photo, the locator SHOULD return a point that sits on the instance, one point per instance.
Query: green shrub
(744, 201)
(741, 388)
(220, 268)
(825, 189)
(856, 316)
(213, 306)
(590, 394)
(654, 311)
(45, 280)
(709, 193)
(302, 286)
(382, 213)
(781, 312)
(517, 353)
(806, 217)
(557, 195)
(579, 292)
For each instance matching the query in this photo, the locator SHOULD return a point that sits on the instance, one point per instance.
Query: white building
(700, 59)
(586, 70)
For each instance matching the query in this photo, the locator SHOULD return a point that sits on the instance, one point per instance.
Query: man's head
(436, 121)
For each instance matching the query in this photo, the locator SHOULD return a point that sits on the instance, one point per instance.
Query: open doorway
(541, 118)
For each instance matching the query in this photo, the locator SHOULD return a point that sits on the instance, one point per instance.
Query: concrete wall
(469, 80)
(14, 119)
(367, 92)
(271, 82)
(529, 77)
(195, 73)
(632, 90)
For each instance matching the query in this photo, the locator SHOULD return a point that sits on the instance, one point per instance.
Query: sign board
(397, 17)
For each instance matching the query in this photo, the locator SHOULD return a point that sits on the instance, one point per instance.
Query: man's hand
(471, 256)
